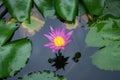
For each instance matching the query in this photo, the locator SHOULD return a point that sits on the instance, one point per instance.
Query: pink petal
(52, 47)
(48, 44)
(63, 30)
(53, 50)
(51, 28)
(48, 36)
(57, 32)
(67, 42)
(69, 34)
(51, 34)
(63, 48)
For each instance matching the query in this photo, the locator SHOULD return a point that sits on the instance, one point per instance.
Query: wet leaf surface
(14, 54)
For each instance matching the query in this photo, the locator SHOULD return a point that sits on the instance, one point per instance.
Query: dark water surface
(83, 70)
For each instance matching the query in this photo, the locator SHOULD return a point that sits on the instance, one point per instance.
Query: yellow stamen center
(59, 41)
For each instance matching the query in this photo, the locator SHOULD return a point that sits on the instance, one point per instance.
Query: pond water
(82, 70)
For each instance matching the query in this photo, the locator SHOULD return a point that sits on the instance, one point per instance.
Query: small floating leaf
(46, 75)
(76, 57)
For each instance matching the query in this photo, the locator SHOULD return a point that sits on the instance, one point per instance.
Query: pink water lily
(58, 39)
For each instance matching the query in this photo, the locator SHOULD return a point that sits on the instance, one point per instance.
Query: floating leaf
(112, 34)
(106, 34)
(46, 7)
(34, 26)
(12, 20)
(67, 9)
(46, 75)
(81, 9)
(103, 32)
(76, 57)
(113, 10)
(6, 32)
(95, 7)
(108, 58)
(13, 55)
(1, 2)
(19, 9)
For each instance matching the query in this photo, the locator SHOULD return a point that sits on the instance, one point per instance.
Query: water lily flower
(58, 39)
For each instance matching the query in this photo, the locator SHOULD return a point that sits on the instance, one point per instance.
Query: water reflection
(60, 61)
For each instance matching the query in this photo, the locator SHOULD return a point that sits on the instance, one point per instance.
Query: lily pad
(113, 10)
(14, 54)
(46, 75)
(67, 9)
(19, 9)
(106, 34)
(108, 58)
(103, 32)
(1, 2)
(81, 9)
(46, 7)
(95, 7)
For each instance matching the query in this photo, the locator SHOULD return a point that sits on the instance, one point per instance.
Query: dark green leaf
(81, 9)
(95, 7)
(13, 55)
(108, 58)
(46, 7)
(19, 9)
(6, 32)
(42, 76)
(67, 9)
(112, 8)
(1, 2)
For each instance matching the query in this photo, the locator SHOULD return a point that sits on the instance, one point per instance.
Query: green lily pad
(42, 76)
(95, 7)
(81, 9)
(112, 34)
(108, 58)
(103, 32)
(1, 2)
(113, 10)
(14, 54)
(46, 7)
(67, 9)
(19, 9)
